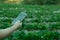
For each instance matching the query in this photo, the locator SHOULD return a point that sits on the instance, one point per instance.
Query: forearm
(8, 31)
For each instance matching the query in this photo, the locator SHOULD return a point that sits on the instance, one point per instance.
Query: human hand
(17, 24)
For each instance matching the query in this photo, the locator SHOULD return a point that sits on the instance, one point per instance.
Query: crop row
(30, 25)
(35, 17)
(34, 35)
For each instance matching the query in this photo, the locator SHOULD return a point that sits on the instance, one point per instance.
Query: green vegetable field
(42, 22)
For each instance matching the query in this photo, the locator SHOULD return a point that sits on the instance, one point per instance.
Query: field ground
(42, 22)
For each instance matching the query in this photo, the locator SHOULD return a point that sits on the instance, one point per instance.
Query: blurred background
(38, 2)
(42, 22)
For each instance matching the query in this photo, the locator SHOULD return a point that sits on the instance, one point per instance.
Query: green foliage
(34, 35)
(41, 2)
(40, 24)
